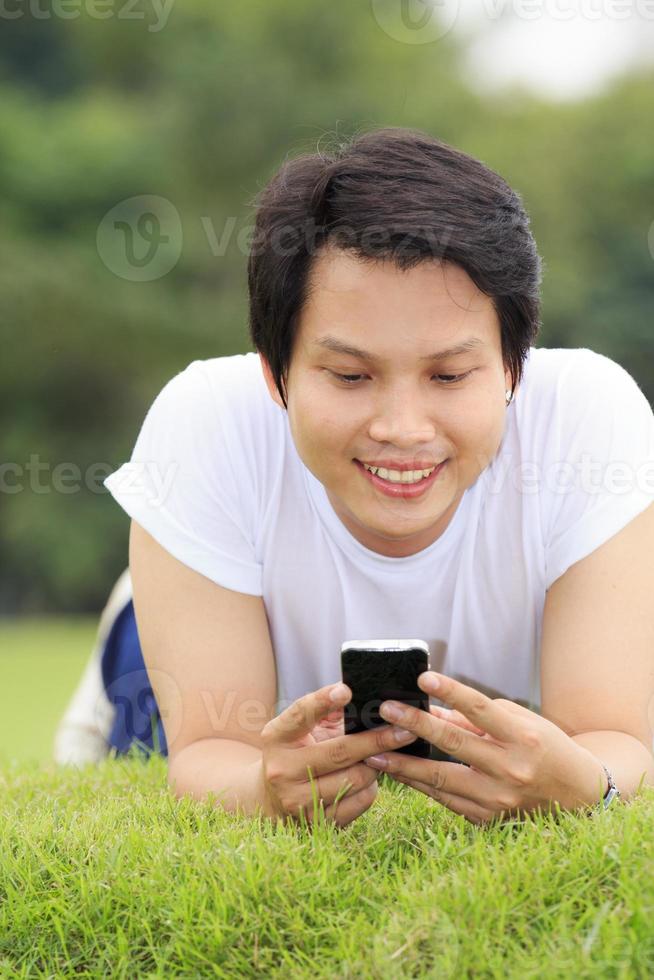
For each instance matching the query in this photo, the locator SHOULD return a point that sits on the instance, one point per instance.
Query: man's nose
(403, 420)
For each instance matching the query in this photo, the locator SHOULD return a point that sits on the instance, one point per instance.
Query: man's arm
(226, 767)
(210, 661)
(597, 654)
(627, 759)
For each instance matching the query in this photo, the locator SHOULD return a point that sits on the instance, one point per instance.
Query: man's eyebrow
(338, 347)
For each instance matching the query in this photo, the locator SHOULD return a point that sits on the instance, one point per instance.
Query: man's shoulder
(234, 373)
(221, 400)
(233, 386)
(576, 376)
(551, 362)
(560, 378)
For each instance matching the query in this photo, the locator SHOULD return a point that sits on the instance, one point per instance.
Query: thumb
(297, 721)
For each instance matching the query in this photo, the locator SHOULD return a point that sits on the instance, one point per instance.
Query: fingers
(294, 784)
(452, 739)
(333, 723)
(344, 751)
(351, 807)
(334, 717)
(296, 722)
(457, 804)
(455, 718)
(490, 715)
(460, 789)
(347, 782)
(328, 729)
(296, 767)
(341, 796)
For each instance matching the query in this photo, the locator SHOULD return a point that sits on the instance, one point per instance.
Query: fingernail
(377, 761)
(338, 692)
(432, 680)
(401, 734)
(391, 711)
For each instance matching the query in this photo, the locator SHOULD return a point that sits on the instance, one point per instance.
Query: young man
(396, 460)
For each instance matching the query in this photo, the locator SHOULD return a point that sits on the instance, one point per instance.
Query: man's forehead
(355, 307)
(338, 279)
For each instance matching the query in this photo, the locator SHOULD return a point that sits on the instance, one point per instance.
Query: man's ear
(270, 382)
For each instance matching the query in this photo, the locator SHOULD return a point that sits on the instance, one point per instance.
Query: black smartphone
(382, 670)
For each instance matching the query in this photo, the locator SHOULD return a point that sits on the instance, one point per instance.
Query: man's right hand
(292, 755)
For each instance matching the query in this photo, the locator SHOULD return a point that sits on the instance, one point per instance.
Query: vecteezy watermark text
(95, 9)
(428, 21)
(153, 481)
(140, 239)
(147, 479)
(566, 10)
(586, 474)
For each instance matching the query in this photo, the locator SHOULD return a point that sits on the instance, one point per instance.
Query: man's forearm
(226, 767)
(624, 756)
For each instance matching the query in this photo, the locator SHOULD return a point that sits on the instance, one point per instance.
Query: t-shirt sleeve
(187, 485)
(599, 470)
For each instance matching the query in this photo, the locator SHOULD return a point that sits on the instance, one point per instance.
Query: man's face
(400, 405)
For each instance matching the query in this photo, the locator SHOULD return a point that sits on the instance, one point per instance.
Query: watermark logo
(140, 238)
(136, 712)
(415, 21)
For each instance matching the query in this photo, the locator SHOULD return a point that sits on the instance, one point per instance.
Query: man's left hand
(517, 761)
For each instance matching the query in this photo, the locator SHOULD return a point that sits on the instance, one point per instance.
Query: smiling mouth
(399, 476)
(401, 484)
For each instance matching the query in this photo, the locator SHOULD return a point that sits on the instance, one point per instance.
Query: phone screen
(382, 670)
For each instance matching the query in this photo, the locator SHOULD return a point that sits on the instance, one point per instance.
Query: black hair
(391, 193)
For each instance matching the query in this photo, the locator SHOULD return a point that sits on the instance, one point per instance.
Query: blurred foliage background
(201, 110)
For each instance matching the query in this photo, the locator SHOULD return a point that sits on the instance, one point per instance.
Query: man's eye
(450, 379)
(445, 379)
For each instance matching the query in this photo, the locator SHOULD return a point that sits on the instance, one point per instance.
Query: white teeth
(397, 476)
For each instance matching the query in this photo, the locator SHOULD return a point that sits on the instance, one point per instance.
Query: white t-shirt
(215, 478)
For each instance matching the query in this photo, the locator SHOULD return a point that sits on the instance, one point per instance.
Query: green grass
(41, 661)
(104, 874)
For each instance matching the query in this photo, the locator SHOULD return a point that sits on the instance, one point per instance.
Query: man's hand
(331, 726)
(517, 761)
(301, 773)
(334, 724)
(307, 762)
